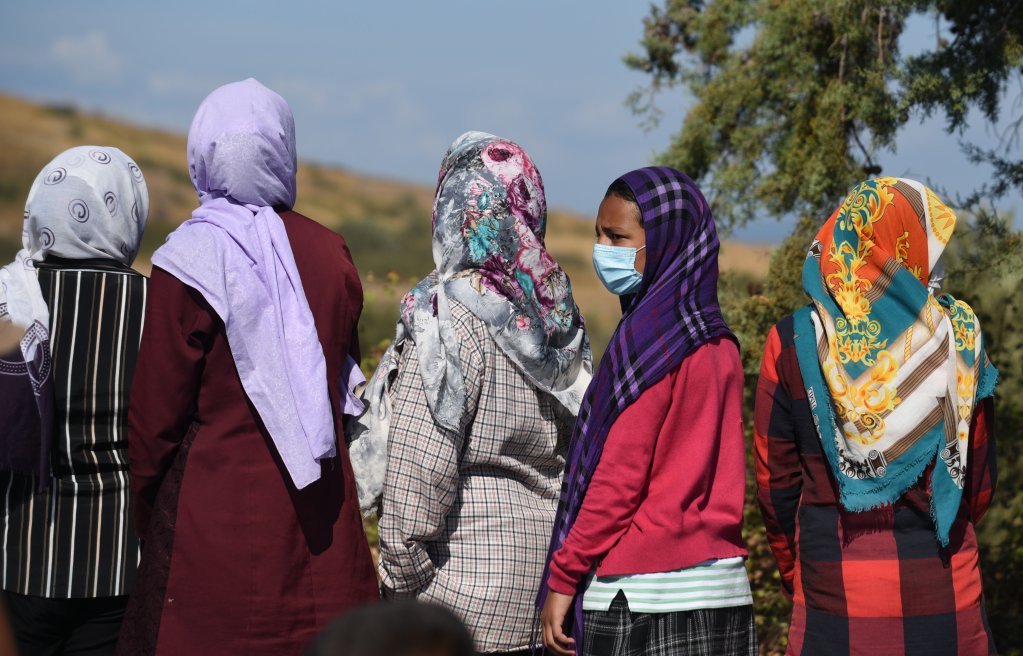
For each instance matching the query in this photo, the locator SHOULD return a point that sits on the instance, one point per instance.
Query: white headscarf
(90, 202)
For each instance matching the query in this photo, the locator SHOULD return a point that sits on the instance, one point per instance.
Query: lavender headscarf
(674, 312)
(235, 252)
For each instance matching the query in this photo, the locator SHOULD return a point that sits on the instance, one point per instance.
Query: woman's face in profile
(619, 224)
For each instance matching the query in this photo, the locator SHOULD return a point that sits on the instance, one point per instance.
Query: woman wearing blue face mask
(618, 253)
(647, 542)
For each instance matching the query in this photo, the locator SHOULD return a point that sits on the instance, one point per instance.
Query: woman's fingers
(564, 644)
(552, 618)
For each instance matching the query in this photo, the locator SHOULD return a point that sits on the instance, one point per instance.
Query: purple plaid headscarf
(673, 313)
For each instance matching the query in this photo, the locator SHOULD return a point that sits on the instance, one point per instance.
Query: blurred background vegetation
(792, 100)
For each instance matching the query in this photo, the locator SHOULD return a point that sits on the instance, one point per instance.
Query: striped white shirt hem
(710, 584)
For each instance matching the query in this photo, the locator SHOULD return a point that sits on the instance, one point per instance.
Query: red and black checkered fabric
(874, 582)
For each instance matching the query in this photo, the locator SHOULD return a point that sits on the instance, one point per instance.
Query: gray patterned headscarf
(90, 202)
(489, 221)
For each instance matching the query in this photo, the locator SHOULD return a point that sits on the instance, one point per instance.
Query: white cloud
(87, 57)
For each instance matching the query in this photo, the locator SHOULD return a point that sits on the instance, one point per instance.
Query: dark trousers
(45, 627)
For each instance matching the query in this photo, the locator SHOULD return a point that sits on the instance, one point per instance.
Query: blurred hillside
(386, 222)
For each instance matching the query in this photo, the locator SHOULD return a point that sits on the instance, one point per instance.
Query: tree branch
(869, 166)
(880, 36)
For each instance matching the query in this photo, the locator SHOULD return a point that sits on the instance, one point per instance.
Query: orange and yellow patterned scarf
(893, 373)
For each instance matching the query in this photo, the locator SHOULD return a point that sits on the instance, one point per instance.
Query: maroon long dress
(236, 560)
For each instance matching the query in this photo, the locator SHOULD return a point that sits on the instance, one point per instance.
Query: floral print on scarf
(489, 219)
(489, 222)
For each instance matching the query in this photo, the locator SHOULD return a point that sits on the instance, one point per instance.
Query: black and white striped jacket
(75, 539)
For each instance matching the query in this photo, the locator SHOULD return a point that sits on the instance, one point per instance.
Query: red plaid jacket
(875, 582)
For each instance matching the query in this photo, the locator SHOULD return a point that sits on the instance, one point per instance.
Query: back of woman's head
(405, 628)
(241, 145)
(89, 202)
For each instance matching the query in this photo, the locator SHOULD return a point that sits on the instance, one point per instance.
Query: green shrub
(985, 269)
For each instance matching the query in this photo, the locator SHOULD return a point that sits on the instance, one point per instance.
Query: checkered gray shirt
(467, 515)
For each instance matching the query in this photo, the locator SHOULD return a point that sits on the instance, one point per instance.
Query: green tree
(971, 70)
(794, 99)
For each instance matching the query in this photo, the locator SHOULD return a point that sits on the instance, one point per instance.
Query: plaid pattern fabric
(675, 311)
(704, 632)
(872, 582)
(466, 514)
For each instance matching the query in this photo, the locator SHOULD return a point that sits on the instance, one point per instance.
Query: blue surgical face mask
(616, 268)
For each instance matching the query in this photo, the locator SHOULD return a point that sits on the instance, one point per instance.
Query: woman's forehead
(615, 211)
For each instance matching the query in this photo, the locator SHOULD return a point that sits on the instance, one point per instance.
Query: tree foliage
(971, 69)
(794, 99)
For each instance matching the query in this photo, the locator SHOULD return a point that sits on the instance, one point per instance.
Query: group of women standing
(185, 458)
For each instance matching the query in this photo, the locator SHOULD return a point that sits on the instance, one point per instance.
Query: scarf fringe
(868, 500)
(988, 381)
(942, 540)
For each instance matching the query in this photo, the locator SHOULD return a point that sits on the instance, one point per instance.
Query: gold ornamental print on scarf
(898, 367)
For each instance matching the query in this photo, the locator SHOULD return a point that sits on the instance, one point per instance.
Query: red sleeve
(616, 488)
(982, 471)
(165, 386)
(779, 474)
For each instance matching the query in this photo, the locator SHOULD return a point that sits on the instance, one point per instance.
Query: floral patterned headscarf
(489, 220)
(893, 373)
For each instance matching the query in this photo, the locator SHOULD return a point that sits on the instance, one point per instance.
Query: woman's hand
(552, 618)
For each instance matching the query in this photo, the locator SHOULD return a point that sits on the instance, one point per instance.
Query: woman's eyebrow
(615, 227)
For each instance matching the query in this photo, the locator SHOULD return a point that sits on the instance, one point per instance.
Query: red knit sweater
(668, 489)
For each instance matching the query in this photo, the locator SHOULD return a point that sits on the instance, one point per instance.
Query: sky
(384, 87)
